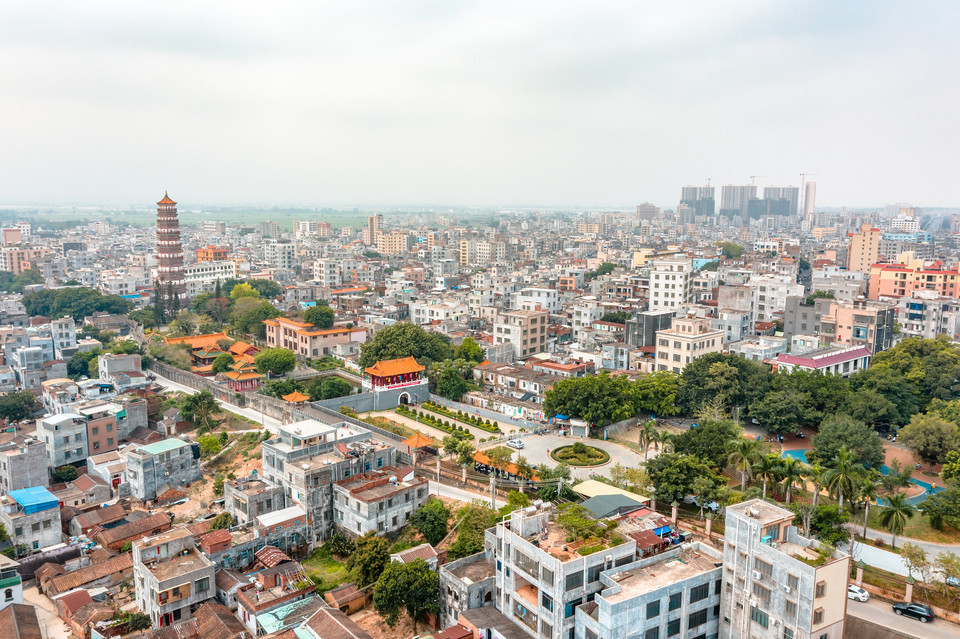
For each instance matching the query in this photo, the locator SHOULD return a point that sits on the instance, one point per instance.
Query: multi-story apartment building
(123, 371)
(800, 318)
(537, 299)
(326, 271)
(10, 583)
(308, 456)
(23, 463)
(641, 329)
(769, 295)
(27, 364)
(541, 579)
(928, 314)
(307, 340)
(776, 583)
(671, 283)
(859, 323)
(438, 310)
(171, 576)
(305, 228)
(280, 255)
(31, 517)
(202, 277)
(689, 338)
(396, 243)
(213, 254)
(898, 280)
(64, 334)
(249, 497)
(673, 594)
(379, 501)
(864, 248)
(171, 462)
(65, 436)
(736, 325)
(526, 330)
(103, 432)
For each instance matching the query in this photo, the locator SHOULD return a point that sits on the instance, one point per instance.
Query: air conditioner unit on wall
(787, 589)
(757, 575)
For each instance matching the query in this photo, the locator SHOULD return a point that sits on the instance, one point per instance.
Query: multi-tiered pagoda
(170, 283)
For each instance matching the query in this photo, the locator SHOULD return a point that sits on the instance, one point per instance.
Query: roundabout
(580, 455)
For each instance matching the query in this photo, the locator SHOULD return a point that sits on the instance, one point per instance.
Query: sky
(458, 103)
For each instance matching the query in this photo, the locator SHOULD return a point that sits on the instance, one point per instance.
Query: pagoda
(171, 284)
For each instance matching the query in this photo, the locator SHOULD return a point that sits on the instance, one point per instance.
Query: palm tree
(743, 453)
(868, 493)
(895, 515)
(767, 470)
(816, 474)
(647, 436)
(791, 469)
(664, 441)
(843, 476)
(199, 409)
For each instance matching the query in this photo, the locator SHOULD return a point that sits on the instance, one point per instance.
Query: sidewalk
(931, 547)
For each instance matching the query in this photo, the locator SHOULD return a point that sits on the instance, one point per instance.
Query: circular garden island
(580, 454)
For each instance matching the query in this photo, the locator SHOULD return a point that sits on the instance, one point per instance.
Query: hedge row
(436, 422)
(461, 416)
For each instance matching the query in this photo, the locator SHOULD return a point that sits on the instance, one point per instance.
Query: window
(818, 616)
(8, 594)
(793, 582)
(653, 609)
(716, 587)
(762, 567)
(35, 527)
(760, 617)
(673, 628)
(821, 589)
(202, 584)
(546, 575)
(697, 618)
(569, 607)
(652, 633)
(46, 524)
(787, 633)
(96, 430)
(574, 580)
(546, 601)
(593, 573)
(763, 594)
(790, 608)
(676, 600)
(699, 593)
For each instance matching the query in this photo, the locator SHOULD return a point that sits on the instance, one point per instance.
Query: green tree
(837, 431)
(914, 558)
(221, 521)
(198, 304)
(222, 363)
(709, 441)
(412, 587)
(646, 436)
(500, 457)
(431, 520)
(699, 383)
(743, 453)
(248, 316)
(79, 364)
(867, 492)
(63, 474)
(656, 393)
(730, 250)
(673, 474)
(243, 289)
(209, 445)
(277, 361)
(15, 407)
(944, 507)
(319, 316)
(469, 351)
(369, 559)
(146, 316)
(405, 340)
(845, 471)
(902, 396)
(138, 621)
(604, 269)
(267, 289)
(616, 317)
(451, 385)
(930, 437)
(826, 523)
(783, 411)
(332, 387)
(895, 515)
(74, 302)
(767, 470)
(472, 522)
(200, 408)
(341, 545)
(599, 399)
(951, 467)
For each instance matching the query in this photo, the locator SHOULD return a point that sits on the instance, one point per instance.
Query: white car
(515, 443)
(857, 593)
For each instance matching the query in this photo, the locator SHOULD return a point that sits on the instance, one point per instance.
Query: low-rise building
(465, 584)
(689, 339)
(830, 360)
(272, 588)
(23, 462)
(171, 576)
(150, 468)
(379, 501)
(65, 437)
(11, 585)
(307, 340)
(31, 517)
(249, 497)
(123, 371)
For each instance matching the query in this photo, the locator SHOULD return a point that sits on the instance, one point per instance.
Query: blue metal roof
(34, 499)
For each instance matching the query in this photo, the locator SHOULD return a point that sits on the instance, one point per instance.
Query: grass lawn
(918, 527)
(326, 570)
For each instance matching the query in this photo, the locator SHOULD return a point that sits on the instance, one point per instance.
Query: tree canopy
(11, 283)
(730, 250)
(77, 303)
(709, 441)
(735, 380)
(599, 399)
(268, 289)
(371, 556)
(243, 289)
(930, 437)
(673, 476)
(17, 406)
(469, 351)
(319, 316)
(276, 361)
(431, 520)
(404, 339)
(837, 431)
(406, 586)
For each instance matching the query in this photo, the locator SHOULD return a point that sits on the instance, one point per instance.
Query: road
(881, 612)
(535, 449)
(52, 625)
(458, 493)
(270, 423)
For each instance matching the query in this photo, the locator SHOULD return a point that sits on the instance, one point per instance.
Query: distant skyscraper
(735, 199)
(789, 193)
(374, 227)
(809, 198)
(699, 198)
(170, 279)
(647, 211)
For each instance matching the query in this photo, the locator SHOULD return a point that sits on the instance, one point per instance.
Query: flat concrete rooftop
(639, 581)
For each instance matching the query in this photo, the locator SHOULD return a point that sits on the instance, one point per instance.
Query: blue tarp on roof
(34, 499)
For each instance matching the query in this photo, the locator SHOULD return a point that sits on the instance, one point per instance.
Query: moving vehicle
(515, 443)
(920, 611)
(857, 593)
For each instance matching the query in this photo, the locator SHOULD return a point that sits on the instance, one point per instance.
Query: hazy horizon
(475, 105)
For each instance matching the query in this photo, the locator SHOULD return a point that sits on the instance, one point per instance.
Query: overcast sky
(486, 103)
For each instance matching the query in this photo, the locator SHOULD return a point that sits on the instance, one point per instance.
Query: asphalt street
(881, 612)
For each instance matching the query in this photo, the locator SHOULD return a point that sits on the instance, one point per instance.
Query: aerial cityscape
(363, 321)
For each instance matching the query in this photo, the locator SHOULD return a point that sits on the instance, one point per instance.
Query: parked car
(515, 443)
(953, 581)
(920, 611)
(857, 593)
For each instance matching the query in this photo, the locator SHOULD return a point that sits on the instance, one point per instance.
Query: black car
(916, 610)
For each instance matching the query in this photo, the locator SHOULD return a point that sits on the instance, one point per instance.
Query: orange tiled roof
(395, 367)
(417, 441)
(166, 200)
(239, 348)
(240, 376)
(197, 341)
(296, 396)
(202, 369)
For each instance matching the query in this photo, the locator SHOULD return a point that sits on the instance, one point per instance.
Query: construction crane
(753, 179)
